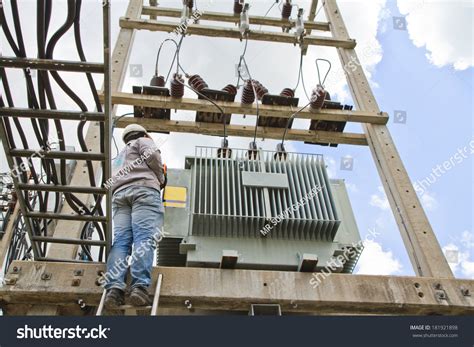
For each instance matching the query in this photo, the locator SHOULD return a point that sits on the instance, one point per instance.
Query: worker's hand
(165, 174)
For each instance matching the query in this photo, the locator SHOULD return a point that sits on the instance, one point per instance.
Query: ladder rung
(51, 65)
(61, 188)
(56, 154)
(51, 114)
(64, 216)
(69, 241)
(58, 260)
(153, 308)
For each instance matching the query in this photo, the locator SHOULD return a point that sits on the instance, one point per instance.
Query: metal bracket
(46, 276)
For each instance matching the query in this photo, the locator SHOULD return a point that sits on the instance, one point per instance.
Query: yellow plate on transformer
(175, 197)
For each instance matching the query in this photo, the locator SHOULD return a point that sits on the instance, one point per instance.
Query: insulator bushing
(197, 83)
(288, 92)
(190, 3)
(286, 10)
(224, 152)
(177, 86)
(231, 89)
(248, 97)
(157, 81)
(317, 98)
(238, 7)
(260, 90)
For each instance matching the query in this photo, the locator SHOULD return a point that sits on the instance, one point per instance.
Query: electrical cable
(268, 11)
(158, 57)
(300, 71)
(43, 15)
(327, 73)
(289, 121)
(240, 62)
(113, 128)
(178, 67)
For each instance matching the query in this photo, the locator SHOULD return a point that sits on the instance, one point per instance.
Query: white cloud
(467, 239)
(330, 165)
(468, 268)
(364, 29)
(459, 259)
(380, 200)
(444, 28)
(352, 187)
(375, 261)
(428, 201)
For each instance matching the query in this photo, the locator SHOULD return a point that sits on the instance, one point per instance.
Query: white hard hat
(132, 128)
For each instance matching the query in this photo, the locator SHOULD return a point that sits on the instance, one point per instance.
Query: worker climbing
(138, 215)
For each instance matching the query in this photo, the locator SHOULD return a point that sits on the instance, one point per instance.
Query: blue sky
(438, 104)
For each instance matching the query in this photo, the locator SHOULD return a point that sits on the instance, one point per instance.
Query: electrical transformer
(257, 210)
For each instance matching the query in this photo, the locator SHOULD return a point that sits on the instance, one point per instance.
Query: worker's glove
(165, 174)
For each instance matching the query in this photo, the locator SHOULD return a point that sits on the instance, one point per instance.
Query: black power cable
(45, 94)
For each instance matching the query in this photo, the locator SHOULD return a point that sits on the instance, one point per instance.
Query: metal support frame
(21, 199)
(7, 237)
(51, 114)
(51, 65)
(69, 229)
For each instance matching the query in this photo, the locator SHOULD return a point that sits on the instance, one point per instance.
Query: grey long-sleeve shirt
(139, 163)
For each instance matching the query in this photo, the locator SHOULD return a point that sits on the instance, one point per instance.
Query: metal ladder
(130, 310)
(24, 152)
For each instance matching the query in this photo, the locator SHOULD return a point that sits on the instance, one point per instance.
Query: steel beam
(236, 290)
(5, 240)
(69, 241)
(108, 131)
(21, 198)
(40, 153)
(50, 114)
(64, 216)
(62, 189)
(51, 65)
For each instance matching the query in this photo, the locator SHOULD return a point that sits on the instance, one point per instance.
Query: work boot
(114, 298)
(139, 296)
